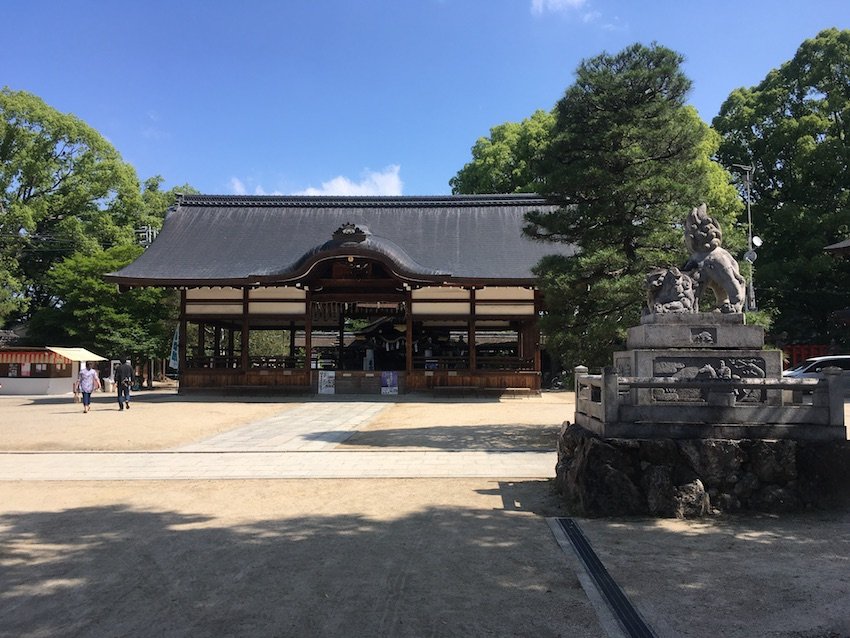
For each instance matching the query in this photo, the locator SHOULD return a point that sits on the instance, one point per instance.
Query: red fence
(799, 353)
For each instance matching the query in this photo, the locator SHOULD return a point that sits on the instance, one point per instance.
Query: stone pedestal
(697, 346)
(701, 330)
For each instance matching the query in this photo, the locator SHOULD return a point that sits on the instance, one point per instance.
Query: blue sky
(357, 96)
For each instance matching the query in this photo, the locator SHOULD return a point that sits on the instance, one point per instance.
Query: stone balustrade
(613, 406)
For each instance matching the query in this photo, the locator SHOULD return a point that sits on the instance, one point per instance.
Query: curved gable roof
(364, 244)
(208, 240)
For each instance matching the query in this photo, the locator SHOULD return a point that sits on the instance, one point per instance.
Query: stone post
(835, 384)
(610, 395)
(718, 395)
(577, 372)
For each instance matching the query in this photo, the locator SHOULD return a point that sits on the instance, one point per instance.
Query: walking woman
(87, 383)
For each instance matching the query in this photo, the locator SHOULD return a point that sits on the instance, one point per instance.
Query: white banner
(174, 358)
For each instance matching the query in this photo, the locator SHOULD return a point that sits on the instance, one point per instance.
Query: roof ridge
(362, 201)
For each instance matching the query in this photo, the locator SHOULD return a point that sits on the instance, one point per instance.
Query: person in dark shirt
(124, 381)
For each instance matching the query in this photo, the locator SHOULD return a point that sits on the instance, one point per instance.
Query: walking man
(124, 381)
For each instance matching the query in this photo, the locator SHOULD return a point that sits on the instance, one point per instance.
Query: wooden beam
(355, 296)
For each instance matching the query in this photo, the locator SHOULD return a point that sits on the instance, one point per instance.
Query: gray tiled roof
(841, 248)
(208, 238)
(8, 338)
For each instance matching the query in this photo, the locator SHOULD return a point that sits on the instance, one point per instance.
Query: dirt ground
(375, 557)
(161, 419)
(157, 419)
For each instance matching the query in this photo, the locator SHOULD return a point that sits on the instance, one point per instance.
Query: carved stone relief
(709, 368)
(704, 336)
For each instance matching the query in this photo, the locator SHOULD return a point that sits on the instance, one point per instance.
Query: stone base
(671, 362)
(694, 336)
(689, 478)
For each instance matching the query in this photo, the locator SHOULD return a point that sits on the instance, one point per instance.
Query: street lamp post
(750, 255)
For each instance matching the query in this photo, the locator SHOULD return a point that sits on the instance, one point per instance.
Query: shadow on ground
(446, 437)
(227, 559)
(442, 571)
(171, 396)
(750, 575)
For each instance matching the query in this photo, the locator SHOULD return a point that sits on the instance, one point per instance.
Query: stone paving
(298, 443)
(312, 427)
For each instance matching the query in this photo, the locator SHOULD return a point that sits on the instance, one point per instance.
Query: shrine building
(355, 294)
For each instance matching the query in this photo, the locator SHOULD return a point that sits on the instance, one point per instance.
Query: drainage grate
(626, 614)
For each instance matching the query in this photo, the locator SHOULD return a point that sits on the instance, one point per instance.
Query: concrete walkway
(294, 429)
(298, 443)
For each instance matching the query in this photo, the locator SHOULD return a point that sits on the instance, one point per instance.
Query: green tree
(794, 129)
(156, 202)
(627, 161)
(509, 161)
(63, 189)
(94, 314)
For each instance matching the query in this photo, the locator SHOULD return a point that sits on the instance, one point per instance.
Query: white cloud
(152, 130)
(372, 183)
(259, 190)
(615, 25)
(238, 186)
(386, 182)
(541, 6)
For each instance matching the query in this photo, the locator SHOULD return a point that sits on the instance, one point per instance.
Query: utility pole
(750, 255)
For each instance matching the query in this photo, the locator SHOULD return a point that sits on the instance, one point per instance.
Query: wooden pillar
(473, 355)
(202, 333)
(408, 342)
(246, 332)
(292, 342)
(529, 342)
(308, 331)
(216, 345)
(535, 330)
(231, 348)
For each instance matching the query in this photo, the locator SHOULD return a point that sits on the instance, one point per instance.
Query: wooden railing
(462, 363)
(504, 363)
(326, 361)
(240, 381)
(474, 379)
(225, 362)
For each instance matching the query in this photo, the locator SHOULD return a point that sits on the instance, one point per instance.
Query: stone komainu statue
(710, 265)
(669, 290)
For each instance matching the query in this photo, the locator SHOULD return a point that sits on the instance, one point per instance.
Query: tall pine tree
(627, 162)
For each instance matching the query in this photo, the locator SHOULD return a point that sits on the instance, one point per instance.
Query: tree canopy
(794, 129)
(94, 314)
(63, 189)
(626, 163)
(69, 212)
(509, 161)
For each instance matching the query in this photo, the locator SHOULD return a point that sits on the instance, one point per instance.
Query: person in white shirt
(88, 382)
